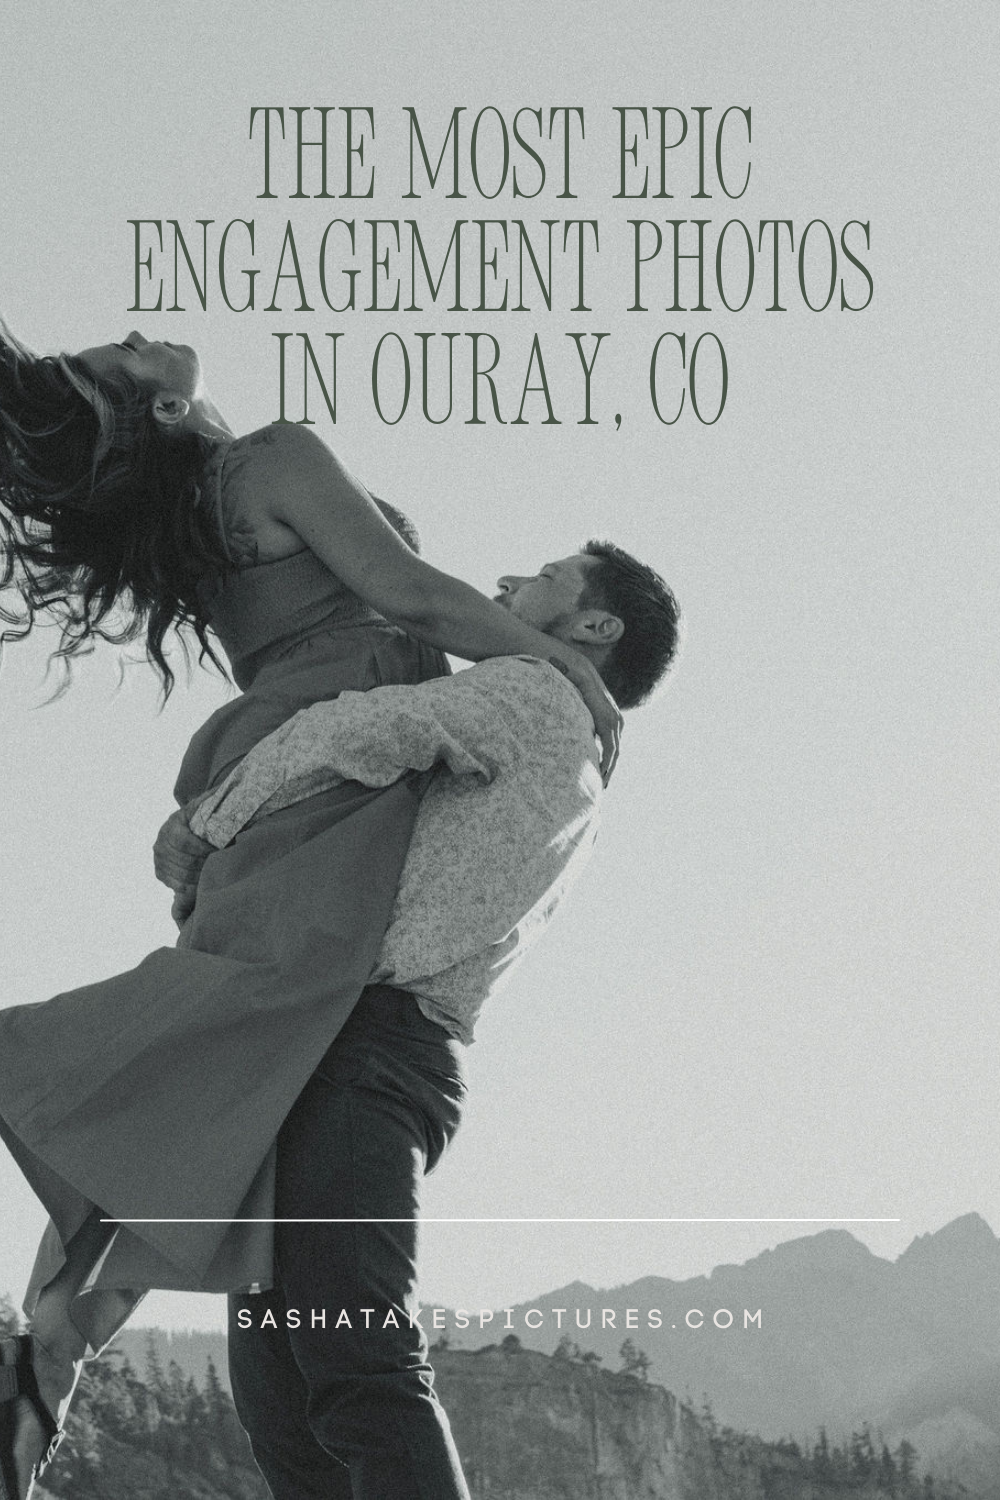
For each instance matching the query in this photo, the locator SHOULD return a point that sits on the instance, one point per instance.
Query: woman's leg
(58, 1346)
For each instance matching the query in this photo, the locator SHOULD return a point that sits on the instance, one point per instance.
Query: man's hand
(178, 856)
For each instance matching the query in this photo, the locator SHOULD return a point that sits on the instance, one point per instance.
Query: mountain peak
(968, 1235)
(835, 1247)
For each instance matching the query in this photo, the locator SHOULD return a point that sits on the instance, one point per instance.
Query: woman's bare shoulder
(259, 466)
(283, 441)
(282, 453)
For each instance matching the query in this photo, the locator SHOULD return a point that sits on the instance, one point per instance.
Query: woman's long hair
(102, 523)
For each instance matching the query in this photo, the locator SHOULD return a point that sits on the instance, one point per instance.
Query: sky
(772, 995)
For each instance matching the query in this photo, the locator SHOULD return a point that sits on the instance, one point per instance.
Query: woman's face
(155, 366)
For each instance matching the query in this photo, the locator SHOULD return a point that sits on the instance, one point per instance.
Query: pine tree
(155, 1378)
(822, 1465)
(862, 1455)
(906, 1461)
(887, 1472)
(216, 1400)
(176, 1392)
(634, 1360)
(9, 1321)
(223, 1422)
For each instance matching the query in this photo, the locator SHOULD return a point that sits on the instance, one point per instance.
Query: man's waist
(390, 1006)
(387, 1002)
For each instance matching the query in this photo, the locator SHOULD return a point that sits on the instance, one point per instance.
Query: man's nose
(508, 583)
(136, 339)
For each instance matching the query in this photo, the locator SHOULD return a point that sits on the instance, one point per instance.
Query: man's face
(551, 595)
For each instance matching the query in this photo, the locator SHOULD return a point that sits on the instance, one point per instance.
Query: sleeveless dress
(157, 1094)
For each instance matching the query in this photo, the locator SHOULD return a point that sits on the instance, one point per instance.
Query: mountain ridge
(845, 1336)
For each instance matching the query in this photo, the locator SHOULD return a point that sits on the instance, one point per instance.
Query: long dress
(157, 1094)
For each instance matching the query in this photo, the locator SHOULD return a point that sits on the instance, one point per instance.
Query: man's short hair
(648, 610)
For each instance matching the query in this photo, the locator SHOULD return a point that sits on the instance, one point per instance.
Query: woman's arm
(298, 482)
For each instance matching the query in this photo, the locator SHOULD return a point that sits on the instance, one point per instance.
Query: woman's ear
(169, 409)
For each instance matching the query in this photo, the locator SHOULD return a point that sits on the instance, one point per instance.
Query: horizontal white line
(421, 1220)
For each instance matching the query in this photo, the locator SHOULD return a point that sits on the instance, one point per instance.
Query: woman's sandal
(17, 1380)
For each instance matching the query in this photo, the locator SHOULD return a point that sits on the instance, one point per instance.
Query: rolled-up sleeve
(373, 737)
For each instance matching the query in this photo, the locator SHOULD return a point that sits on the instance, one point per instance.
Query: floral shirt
(508, 819)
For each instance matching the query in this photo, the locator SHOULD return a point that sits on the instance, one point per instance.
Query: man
(505, 823)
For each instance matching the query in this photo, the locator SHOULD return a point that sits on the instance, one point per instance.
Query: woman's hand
(604, 711)
(178, 857)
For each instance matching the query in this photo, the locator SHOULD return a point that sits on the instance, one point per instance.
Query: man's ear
(169, 409)
(596, 627)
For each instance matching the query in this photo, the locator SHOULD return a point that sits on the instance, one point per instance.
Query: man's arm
(373, 737)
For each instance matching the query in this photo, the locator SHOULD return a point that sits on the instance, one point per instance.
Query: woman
(128, 508)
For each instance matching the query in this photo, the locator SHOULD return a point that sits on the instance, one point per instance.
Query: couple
(296, 1055)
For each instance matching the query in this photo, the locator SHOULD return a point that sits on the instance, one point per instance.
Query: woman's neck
(205, 417)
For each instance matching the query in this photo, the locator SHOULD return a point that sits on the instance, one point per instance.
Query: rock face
(845, 1338)
(530, 1427)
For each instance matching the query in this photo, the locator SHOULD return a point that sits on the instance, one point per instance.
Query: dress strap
(211, 492)
(223, 467)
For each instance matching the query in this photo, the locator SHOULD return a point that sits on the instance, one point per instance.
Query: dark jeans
(374, 1118)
